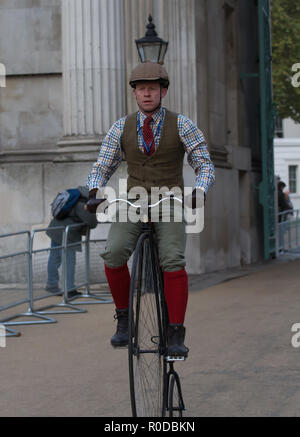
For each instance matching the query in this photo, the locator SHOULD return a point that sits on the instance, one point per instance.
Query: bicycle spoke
(149, 393)
(147, 366)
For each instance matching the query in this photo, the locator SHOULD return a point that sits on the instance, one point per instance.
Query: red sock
(119, 283)
(176, 295)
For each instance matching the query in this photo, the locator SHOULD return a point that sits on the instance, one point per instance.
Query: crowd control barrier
(289, 231)
(16, 282)
(93, 298)
(40, 259)
(24, 275)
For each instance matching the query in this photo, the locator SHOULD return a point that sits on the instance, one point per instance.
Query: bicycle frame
(168, 402)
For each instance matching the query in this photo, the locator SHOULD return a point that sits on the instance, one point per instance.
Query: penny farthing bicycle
(155, 388)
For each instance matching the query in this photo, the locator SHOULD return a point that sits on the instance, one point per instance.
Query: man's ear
(164, 92)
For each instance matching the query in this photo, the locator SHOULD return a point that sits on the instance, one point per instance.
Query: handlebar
(97, 202)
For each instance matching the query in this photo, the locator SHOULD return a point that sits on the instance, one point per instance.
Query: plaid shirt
(110, 155)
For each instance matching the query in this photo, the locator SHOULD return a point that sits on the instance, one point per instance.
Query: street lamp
(151, 47)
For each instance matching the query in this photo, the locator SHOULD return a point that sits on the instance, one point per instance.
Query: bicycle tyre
(176, 405)
(147, 368)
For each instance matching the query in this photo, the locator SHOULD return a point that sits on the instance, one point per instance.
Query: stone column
(136, 19)
(218, 45)
(176, 23)
(93, 53)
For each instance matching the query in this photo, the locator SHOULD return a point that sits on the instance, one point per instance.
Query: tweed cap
(149, 71)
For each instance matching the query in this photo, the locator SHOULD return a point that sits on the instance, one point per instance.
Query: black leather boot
(120, 339)
(175, 345)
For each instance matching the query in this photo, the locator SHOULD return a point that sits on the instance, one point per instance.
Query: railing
(17, 290)
(289, 231)
(24, 275)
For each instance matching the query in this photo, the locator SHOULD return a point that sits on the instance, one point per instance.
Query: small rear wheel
(176, 405)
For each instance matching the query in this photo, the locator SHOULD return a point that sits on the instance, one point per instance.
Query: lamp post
(151, 47)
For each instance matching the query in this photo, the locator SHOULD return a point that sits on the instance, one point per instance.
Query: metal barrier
(105, 295)
(16, 285)
(289, 231)
(26, 282)
(41, 260)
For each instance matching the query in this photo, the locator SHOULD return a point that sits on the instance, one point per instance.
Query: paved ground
(241, 363)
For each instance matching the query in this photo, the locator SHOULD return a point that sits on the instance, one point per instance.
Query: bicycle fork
(169, 387)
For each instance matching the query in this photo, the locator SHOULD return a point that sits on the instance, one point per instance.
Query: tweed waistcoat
(164, 167)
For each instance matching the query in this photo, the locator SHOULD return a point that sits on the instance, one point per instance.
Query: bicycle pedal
(174, 358)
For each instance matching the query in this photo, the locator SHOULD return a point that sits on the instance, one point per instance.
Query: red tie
(148, 135)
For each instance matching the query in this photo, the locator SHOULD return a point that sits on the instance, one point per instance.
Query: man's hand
(93, 203)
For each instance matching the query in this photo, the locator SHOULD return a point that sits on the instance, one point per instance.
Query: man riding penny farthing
(154, 141)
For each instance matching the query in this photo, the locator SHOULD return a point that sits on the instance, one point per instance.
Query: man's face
(148, 95)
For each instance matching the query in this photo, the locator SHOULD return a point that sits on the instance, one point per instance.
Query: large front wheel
(147, 368)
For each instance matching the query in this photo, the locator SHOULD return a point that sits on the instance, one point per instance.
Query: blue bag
(64, 202)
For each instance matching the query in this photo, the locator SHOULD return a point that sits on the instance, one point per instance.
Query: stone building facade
(67, 65)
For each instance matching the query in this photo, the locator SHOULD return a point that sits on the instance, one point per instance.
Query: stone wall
(210, 44)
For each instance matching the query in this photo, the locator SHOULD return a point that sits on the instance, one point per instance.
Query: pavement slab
(241, 362)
